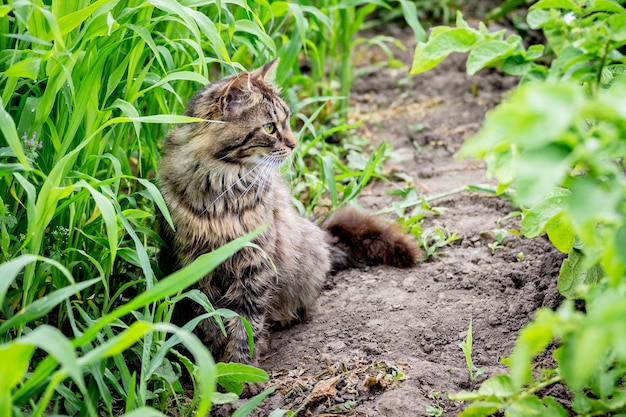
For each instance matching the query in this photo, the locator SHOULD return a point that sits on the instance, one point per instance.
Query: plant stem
(540, 386)
(602, 65)
(345, 77)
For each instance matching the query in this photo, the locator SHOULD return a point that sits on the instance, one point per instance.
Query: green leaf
(142, 253)
(156, 196)
(532, 339)
(198, 23)
(254, 29)
(253, 403)
(536, 19)
(58, 346)
(409, 10)
(537, 116)
(561, 232)
(533, 406)
(552, 163)
(205, 369)
(26, 68)
(329, 177)
(575, 272)
(43, 305)
(107, 210)
(232, 376)
(10, 269)
(537, 218)
(516, 65)
(16, 358)
(555, 4)
(620, 242)
(488, 53)
(584, 208)
(442, 43)
(534, 52)
(162, 118)
(499, 386)
(421, 63)
(372, 162)
(610, 6)
(554, 409)
(481, 409)
(179, 75)
(4, 10)
(449, 41)
(583, 353)
(7, 128)
(117, 344)
(224, 398)
(7, 169)
(164, 349)
(129, 111)
(617, 27)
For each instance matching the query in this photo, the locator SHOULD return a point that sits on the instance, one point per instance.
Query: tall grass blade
(108, 215)
(7, 127)
(254, 402)
(58, 346)
(43, 305)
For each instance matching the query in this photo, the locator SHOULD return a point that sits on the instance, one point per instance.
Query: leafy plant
(434, 238)
(413, 209)
(499, 235)
(486, 49)
(558, 142)
(438, 407)
(467, 346)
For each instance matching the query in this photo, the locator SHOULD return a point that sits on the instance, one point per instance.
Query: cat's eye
(270, 128)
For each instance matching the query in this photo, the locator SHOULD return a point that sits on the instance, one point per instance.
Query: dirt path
(385, 342)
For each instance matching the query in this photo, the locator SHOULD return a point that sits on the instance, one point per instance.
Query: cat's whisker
(239, 180)
(290, 163)
(255, 180)
(265, 176)
(270, 166)
(260, 176)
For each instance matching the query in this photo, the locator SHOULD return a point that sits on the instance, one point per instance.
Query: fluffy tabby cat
(220, 180)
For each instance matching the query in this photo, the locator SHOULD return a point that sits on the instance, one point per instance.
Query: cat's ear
(267, 72)
(237, 93)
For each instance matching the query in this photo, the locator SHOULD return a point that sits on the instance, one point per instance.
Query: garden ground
(383, 341)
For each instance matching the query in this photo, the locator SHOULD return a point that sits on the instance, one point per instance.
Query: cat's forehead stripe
(286, 113)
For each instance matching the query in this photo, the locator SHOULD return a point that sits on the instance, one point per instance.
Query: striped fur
(220, 181)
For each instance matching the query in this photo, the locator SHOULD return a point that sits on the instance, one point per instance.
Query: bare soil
(383, 341)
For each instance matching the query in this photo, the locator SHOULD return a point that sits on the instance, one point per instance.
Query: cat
(220, 180)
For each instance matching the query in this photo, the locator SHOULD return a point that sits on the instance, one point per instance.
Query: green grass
(88, 90)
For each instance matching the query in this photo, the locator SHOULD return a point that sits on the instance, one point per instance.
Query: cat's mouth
(273, 159)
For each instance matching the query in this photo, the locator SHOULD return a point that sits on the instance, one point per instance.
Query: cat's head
(254, 120)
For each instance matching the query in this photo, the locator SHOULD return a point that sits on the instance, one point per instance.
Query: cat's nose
(290, 141)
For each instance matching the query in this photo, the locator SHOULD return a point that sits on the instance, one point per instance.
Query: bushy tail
(359, 239)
